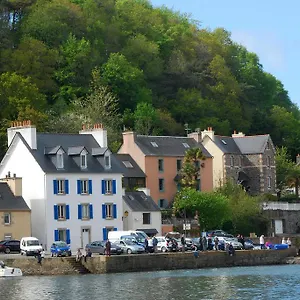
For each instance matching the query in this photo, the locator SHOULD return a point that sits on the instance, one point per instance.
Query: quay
(150, 262)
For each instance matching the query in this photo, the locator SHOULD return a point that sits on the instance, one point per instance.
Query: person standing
(183, 243)
(204, 243)
(262, 241)
(289, 242)
(216, 240)
(107, 247)
(284, 241)
(155, 242)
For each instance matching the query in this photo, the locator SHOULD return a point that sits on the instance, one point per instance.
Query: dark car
(60, 248)
(10, 246)
(99, 247)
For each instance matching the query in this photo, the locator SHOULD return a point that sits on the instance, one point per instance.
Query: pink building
(160, 158)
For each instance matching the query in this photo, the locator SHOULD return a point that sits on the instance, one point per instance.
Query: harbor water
(262, 282)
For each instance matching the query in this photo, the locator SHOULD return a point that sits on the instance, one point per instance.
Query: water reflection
(276, 282)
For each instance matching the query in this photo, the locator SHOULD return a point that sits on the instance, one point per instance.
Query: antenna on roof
(186, 128)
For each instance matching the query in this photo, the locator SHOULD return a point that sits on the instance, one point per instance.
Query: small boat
(6, 271)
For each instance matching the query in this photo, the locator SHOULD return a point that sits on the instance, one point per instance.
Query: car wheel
(104, 252)
(26, 253)
(51, 254)
(7, 250)
(129, 251)
(22, 253)
(163, 249)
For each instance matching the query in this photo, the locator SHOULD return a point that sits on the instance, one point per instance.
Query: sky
(267, 27)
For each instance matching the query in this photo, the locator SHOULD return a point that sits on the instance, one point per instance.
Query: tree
(211, 208)
(190, 171)
(283, 166)
(145, 117)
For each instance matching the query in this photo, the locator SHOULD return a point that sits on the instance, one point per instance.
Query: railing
(280, 206)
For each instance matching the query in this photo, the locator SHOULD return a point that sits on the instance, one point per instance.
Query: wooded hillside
(126, 63)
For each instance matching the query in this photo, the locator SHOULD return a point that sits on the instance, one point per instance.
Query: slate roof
(8, 201)
(75, 150)
(135, 171)
(242, 145)
(138, 201)
(66, 141)
(167, 145)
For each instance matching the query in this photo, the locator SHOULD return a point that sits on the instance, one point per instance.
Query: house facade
(161, 158)
(247, 160)
(71, 182)
(15, 215)
(141, 212)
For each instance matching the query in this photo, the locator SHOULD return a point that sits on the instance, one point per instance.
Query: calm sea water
(271, 282)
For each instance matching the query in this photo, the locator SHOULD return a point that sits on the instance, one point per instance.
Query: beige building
(15, 215)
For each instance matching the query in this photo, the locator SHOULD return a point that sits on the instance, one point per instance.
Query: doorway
(278, 227)
(85, 236)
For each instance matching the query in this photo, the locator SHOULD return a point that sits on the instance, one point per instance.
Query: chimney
(98, 132)
(15, 184)
(128, 142)
(298, 159)
(27, 131)
(209, 132)
(239, 134)
(196, 135)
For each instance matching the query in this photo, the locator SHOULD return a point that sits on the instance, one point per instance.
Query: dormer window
(83, 160)
(60, 159)
(107, 161)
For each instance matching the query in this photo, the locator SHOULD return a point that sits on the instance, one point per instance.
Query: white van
(116, 235)
(30, 246)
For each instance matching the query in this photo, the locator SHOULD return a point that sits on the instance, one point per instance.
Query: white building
(141, 212)
(71, 182)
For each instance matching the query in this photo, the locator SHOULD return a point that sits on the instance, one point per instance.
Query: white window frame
(61, 186)
(60, 159)
(84, 184)
(83, 160)
(108, 187)
(61, 212)
(109, 210)
(85, 211)
(62, 232)
(9, 219)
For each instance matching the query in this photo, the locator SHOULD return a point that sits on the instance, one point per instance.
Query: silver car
(130, 247)
(234, 242)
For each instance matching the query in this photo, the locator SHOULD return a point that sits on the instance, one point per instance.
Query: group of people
(264, 245)
(81, 255)
(286, 241)
(151, 244)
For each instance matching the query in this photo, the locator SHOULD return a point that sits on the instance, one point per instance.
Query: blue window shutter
(114, 186)
(79, 212)
(90, 187)
(78, 186)
(91, 211)
(103, 187)
(115, 211)
(115, 229)
(68, 241)
(55, 187)
(55, 212)
(67, 212)
(104, 234)
(103, 211)
(67, 186)
(56, 237)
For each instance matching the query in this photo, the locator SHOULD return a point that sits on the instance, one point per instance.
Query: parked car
(99, 247)
(9, 246)
(189, 245)
(60, 248)
(196, 243)
(234, 242)
(162, 244)
(30, 246)
(248, 245)
(219, 233)
(130, 247)
(172, 245)
(133, 239)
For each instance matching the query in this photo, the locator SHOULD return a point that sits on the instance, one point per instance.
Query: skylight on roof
(127, 164)
(186, 145)
(223, 142)
(154, 144)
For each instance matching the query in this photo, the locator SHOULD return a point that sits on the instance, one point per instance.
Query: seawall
(152, 262)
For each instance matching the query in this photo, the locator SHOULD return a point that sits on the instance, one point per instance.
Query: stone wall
(152, 262)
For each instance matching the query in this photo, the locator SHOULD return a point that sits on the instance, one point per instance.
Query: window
(108, 186)
(231, 161)
(161, 184)
(7, 219)
(85, 211)
(61, 211)
(268, 161)
(162, 203)
(240, 161)
(62, 234)
(60, 160)
(109, 211)
(83, 160)
(223, 142)
(61, 186)
(160, 165)
(186, 145)
(268, 146)
(269, 182)
(7, 236)
(198, 185)
(154, 144)
(127, 164)
(146, 218)
(107, 161)
(178, 164)
(84, 186)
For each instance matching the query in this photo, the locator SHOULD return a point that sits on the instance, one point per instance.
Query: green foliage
(145, 117)
(211, 208)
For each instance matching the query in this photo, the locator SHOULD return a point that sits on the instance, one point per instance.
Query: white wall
(134, 220)
(73, 199)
